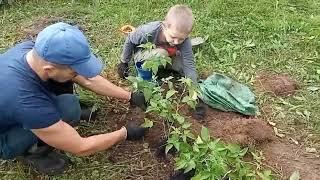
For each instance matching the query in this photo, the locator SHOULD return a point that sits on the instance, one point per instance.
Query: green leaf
(163, 62)
(153, 104)
(147, 93)
(186, 81)
(193, 95)
(243, 152)
(147, 46)
(178, 118)
(184, 138)
(295, 176)
(195, 148)
(181, 164)
(191, 165)
(191, 136)
(185, 99)
(202, 176)
(147, 123)
(170, 93)
(155, 69)
(233, 148)
(199, 140)
(170, 84)
(168, 147)
(192, 104)
(186, 125)
(212, 144)
(265, 175)
(205, 134)
(131, 78)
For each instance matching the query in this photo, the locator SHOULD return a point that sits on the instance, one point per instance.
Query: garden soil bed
(148, 162)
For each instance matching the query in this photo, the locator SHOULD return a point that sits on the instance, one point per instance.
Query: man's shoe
(45, 161)
(88, 113)
(200, 111)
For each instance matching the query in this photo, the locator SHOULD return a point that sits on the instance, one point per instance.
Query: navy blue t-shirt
(25, 100)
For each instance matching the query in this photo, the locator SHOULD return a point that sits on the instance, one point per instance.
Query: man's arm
(62, 136)
(102, 86)
(189, 68)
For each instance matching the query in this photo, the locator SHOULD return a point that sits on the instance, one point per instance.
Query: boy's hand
(135, 132)
(123, 70)
(138, 99)
(200, 111)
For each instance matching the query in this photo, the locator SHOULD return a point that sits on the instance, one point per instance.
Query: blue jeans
(16, 140)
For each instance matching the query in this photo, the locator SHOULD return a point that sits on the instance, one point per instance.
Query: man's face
(60, 74)
(174, 37)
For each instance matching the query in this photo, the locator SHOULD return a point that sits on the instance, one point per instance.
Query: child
(171, 35)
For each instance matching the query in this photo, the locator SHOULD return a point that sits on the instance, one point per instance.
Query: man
(33, 112)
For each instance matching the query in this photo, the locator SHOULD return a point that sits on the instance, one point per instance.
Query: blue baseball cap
(64, 44)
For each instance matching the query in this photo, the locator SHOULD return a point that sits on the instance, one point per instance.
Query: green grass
(245, 37)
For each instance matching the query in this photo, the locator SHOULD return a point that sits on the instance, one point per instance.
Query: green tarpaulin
(223, 93)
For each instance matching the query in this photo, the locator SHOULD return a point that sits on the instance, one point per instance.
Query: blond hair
(180, 17)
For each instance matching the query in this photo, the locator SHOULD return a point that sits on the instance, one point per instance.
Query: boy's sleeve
(189, 68)
(134, 39)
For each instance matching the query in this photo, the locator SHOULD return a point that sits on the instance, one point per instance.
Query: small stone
(311, 150)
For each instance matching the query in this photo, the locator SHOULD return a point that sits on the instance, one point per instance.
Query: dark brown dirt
(143, 156)
(276, 84)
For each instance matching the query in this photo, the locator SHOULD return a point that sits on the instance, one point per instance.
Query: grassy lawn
(245, 37)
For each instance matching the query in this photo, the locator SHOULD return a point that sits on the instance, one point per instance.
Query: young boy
(171, 35)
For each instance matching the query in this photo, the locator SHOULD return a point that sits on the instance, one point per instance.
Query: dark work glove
(138, 99)
(135, 132)
(123, 70)
(200, 111)
(179, 175)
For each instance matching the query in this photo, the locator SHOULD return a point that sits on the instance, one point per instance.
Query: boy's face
(174, 37)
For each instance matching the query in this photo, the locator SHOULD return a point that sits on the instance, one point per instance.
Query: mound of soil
(31, 30)
(246, 131)
(276, 84)
(235, 128)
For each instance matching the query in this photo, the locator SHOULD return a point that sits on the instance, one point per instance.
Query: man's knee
(15, 142)
(69, 107)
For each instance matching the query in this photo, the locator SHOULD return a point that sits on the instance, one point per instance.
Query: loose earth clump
(276, 84)
(234, 128)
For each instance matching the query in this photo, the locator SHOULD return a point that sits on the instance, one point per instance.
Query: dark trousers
(17, 140)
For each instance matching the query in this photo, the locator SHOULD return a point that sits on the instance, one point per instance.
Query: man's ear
(48, 68)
